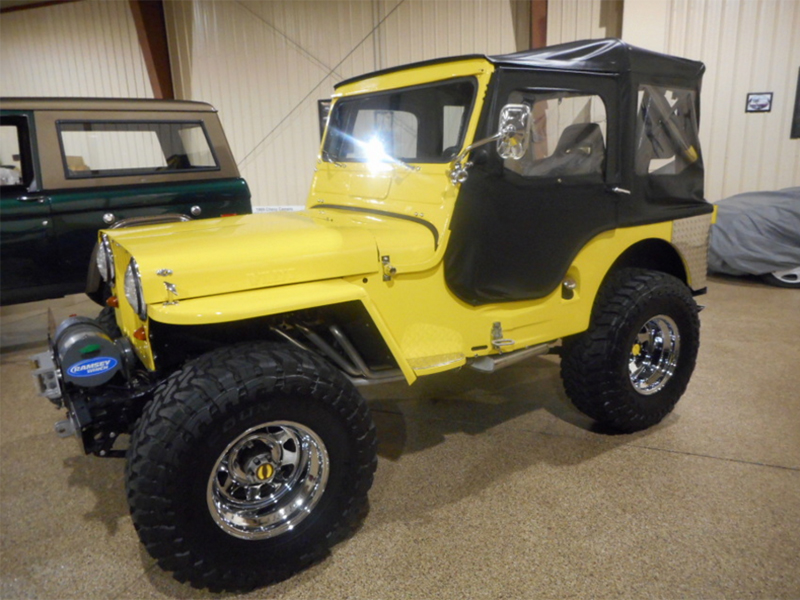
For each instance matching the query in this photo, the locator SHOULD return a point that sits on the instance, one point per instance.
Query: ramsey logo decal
(92, 366)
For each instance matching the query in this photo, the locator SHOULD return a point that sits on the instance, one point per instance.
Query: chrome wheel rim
(268, 480)
(791, 276)
(654, 355)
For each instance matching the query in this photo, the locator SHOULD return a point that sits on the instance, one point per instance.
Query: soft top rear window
(114, 148)
(667, 140)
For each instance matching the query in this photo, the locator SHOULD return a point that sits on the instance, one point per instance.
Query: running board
(495, 362)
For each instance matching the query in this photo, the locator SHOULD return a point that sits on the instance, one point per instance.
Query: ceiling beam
(538, 23)
(151, 30)
(7, 6)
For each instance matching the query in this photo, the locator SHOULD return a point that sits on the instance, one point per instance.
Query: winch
(91, 376)
(86, 353)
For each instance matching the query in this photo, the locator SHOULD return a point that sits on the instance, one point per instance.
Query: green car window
(95, 148)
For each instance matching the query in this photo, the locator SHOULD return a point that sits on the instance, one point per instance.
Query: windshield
(423, 124)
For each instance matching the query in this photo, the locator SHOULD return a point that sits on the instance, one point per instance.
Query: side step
(495, 362)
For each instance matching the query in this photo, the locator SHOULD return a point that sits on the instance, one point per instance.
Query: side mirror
(514, 120)
(512, 140)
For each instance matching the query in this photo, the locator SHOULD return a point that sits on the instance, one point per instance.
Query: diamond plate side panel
(434, 362)
(690, 236)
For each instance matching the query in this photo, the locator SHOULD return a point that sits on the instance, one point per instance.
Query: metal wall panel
(77, 49)
(572, 20)
(264, 65)
(747, 46)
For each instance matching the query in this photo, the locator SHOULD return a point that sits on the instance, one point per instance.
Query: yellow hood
(216, 256)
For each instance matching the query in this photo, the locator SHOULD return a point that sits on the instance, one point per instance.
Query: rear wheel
(249, 464)
(633, 364)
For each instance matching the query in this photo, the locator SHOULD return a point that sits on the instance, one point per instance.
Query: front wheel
(248, 465)
(633, 364)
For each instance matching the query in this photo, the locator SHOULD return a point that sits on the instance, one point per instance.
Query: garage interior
(487, 486)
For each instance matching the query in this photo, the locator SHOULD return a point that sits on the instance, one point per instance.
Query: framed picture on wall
(759, 102)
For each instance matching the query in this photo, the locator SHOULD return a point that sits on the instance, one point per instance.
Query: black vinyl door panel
(514, 240)
(517, 228)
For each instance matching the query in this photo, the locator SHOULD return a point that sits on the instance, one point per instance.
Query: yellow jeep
(469, 211)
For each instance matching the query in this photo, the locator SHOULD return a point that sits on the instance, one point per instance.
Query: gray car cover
(756, 233)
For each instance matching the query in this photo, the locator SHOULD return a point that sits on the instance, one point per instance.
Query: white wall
(572, 20)
(264, 65)
(82, 49)
(747, 46)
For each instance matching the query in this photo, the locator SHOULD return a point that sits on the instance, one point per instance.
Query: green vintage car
(69, 167)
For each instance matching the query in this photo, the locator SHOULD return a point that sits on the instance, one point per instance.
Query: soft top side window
(113, 148)
(666, 131)
(568, 134)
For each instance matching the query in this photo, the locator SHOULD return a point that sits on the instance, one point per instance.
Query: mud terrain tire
(226, 435)
(633, 364)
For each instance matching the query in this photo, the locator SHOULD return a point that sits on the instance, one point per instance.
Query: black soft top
(610, 55)
(605, 56)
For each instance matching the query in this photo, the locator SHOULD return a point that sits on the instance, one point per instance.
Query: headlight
(133, 290)
(105, 260)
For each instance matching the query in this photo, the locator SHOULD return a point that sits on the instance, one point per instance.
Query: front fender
(250, 304)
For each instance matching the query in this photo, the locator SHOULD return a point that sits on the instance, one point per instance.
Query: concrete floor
(487, 486)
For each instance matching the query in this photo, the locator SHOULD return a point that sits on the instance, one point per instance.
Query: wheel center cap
(265, 472)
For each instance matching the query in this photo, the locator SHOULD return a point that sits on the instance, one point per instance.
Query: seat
(580, 151)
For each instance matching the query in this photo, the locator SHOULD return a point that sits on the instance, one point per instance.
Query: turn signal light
(112, 301)
(140, 334)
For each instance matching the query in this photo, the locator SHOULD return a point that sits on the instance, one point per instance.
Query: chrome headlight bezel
(105, 260)
(134, 292)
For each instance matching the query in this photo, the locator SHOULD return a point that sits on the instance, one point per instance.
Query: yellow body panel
(127, 319)
(448, 328)
(447, 331)
(216, 256)
(256, 303)
(478, 67)
(272, 301)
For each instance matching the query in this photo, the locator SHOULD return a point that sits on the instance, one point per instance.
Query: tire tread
(593, 381)
(186, 405)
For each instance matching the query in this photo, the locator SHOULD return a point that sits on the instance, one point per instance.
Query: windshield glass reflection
(424, 124)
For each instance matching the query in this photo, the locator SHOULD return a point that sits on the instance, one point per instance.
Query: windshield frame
(326, 151)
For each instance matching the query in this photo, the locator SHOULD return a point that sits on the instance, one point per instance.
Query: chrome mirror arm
(499, 135)
(458, 172)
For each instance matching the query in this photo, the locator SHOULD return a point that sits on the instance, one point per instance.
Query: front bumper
(46, 376)
(47, 382)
